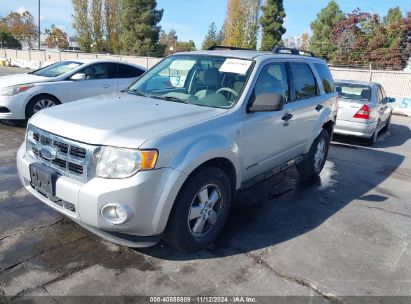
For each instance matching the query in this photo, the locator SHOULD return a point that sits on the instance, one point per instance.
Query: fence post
(370, 72)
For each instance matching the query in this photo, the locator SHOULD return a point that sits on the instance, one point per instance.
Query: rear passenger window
(326, 77)
(303, 81)
(126, 71)
(273, 80)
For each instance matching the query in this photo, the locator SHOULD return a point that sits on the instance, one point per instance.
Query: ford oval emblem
(48, 152)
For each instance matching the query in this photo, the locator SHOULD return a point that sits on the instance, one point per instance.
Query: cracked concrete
(344, 234)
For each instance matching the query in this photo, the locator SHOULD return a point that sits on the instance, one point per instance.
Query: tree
(394, 15)
(112, 24)
(300, 42)
(140, 27)
(56, 38)
(81, 24)
(185, 46)
(241, 23)
(322, 27)
(97, 24)
(7, 40)
(21, 26)
(169, 42)
(213, 37)
(271, 22)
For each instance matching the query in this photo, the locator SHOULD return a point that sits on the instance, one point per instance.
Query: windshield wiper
(169, 98)
(134, 92)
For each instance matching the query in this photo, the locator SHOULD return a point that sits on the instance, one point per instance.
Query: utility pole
(39, 28)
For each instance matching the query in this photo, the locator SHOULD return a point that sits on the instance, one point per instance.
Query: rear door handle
(287, 117)
(319, 107)
(106, 86)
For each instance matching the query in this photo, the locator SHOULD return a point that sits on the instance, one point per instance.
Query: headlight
(10, 91)
(123, 163)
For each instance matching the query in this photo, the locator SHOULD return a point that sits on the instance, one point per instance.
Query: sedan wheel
(43, 104)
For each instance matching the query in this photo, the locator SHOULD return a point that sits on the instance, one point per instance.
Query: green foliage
(394, 15)
(7, 40)
(271, 22)
(213, 37)
(139, 21)
(322, 28)
(81, 24)
(186, 46)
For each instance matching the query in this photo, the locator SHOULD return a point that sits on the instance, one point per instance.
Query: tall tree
(97, 24)
(21, 26)
(241, 23)
(81, 23)
(394, 15)
(185, 46)
(322, 27)
(56, 38)
(272, 21)
(140, 27)
(112, 24)
(213, 37)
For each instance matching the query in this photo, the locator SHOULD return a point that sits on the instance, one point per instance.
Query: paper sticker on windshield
(182, 65)
(236, 66)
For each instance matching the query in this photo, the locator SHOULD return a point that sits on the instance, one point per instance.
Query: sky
(191, 18)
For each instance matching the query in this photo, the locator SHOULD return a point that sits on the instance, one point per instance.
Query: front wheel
(314, 161)
(39, 103)
(200, 211)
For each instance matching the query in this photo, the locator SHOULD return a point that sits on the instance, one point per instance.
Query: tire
(387, 124)
(193, 225)
(39, 103)
(314, 161)
(373, 139)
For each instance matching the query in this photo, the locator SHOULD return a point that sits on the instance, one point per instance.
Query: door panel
(269, 140)
(97, 82)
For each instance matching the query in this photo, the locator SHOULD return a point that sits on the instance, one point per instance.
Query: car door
(124, 75)
(269, 136)
(306, 105)
(384, 108)
(97, 82)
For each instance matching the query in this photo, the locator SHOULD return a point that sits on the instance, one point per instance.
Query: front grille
(73, 159)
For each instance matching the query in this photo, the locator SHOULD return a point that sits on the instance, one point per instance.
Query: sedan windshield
(354, 91)
(57, 69)
(209, 81)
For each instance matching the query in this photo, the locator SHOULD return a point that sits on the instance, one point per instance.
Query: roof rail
(228, 48)
(292, 51)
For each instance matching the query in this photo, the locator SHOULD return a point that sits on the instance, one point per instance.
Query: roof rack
(230, 48)
(292, 51)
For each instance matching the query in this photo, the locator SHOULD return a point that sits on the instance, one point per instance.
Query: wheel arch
(37, 96)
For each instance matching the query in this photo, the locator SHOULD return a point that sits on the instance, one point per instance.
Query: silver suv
(165, 158)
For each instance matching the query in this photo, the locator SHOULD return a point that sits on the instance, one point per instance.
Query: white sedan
(22, 95)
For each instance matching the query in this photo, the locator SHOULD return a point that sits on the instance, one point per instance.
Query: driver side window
(273, 80)
(96, 71)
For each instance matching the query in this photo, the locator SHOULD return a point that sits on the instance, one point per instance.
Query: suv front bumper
(150, 195)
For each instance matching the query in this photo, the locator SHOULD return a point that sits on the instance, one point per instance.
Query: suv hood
(12, 80)
(120, 120)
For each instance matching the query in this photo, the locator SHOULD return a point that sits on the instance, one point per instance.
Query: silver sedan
(364, 110)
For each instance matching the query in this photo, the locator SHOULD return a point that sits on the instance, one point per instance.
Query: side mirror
(391, 99)
(267, 102)
(78, 76)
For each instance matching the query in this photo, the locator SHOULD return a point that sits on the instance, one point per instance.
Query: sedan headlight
(122, 163)
(14, 90)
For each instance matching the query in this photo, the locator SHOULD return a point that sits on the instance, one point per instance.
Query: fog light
(117, 213)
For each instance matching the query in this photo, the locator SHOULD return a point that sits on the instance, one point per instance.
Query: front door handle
(319, 107)
(105, 86)
(287, 117)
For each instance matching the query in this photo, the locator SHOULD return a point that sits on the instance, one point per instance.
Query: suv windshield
(196, 79)
(353, 91)
(57, 69)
